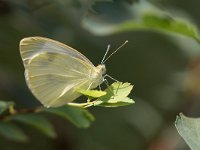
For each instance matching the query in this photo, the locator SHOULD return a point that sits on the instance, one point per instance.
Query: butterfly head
(101, 69)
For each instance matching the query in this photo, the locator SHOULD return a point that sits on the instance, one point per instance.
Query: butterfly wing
(31, 46)
(54, 77)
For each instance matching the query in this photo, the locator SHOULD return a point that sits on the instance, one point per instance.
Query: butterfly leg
(89, 86)
(88, 100)
(106, 75)
(99, 87)
(112, 79)
(106, 82)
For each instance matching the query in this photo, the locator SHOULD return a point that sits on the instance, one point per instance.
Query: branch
(13, 112)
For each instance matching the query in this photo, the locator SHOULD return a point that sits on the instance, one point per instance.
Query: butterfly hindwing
(52, 76)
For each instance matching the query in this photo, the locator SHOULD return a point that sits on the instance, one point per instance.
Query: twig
(20, 111)
(13, 112)
(82, 105)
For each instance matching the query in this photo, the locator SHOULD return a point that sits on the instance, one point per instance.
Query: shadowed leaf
(12, 132)
(38, 122)
(80, 117)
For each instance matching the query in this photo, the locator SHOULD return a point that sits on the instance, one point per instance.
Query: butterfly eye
(103, 69)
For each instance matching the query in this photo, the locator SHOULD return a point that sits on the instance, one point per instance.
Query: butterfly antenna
(105, 54)
(113, 52)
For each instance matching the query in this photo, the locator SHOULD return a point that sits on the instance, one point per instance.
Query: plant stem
(13, 112)
(20, 111)
(83, 105)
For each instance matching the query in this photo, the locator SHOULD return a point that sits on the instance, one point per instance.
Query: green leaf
(164, 23)
(189, 129)
(91, 93)
(114, 103)
(5, 106)
(116, 95)
(12, 132)
(170, 24)
(38, 122)
(142, 16)
(80, 117)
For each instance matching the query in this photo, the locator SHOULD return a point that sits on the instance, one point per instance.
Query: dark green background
(154, 62)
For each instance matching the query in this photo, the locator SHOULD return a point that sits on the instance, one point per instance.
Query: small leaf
(37, 122)
(189, 129)
(114, 103)
(121, 89)
(116, 95)
(91, 93)
(12, 132)
(80, 117)
(5, 106)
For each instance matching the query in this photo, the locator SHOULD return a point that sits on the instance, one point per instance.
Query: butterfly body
(53, 71)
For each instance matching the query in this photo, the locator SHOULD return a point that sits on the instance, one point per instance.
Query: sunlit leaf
(115, 102)
(12, 132)
(91, 93)
(38, 122)
(189, 129)
(80, 117)
(116, 95)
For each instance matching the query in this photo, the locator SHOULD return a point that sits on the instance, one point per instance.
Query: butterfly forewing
(31, 46)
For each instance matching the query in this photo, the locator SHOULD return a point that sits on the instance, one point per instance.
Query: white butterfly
(53, 71)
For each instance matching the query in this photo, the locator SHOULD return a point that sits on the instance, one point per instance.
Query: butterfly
(53, 71)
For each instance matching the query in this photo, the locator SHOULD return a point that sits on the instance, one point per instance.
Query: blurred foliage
(164, 70)
(141, 16)
(78, 116)
(8, 116)
(12, 132)
(37, 122)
